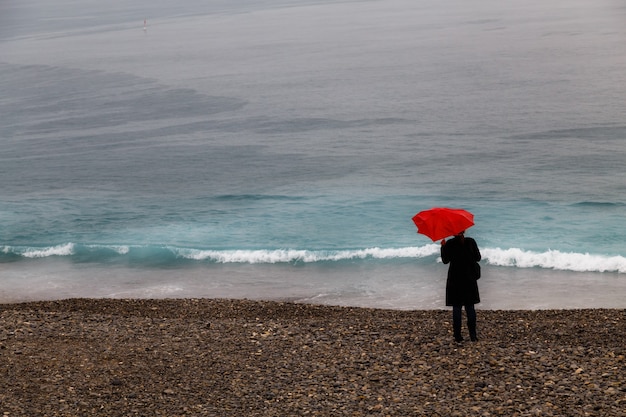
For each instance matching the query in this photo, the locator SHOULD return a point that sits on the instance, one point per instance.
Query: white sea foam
(512, 257)
(65, 249)
(119, 249)
(306, 256)
(554, 259)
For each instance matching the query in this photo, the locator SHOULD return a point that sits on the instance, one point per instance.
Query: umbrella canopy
(441, 222)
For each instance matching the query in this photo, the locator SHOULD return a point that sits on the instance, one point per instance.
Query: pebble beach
(203, 357)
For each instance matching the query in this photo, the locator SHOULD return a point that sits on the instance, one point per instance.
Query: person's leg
(456, 323)
(471, 321)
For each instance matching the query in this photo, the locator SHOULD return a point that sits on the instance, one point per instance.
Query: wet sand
(104, 357)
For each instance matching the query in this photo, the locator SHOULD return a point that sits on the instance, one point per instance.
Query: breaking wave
(173, 256)
(554, 259)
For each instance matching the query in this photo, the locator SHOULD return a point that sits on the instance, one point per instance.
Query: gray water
(278, 150)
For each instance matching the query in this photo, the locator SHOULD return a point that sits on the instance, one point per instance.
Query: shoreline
(189, 357)
(405, 286)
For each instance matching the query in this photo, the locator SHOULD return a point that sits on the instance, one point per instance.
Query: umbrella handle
(443, 242)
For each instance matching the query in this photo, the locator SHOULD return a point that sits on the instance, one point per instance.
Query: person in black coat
(461, 287)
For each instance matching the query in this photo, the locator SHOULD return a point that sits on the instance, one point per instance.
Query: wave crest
(66, 249)
(171, 256)
(554, 259)
(304, 256)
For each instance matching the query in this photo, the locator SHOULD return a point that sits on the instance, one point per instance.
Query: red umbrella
(441, 222)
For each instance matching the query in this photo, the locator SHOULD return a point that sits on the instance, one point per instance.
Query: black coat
(461, 286)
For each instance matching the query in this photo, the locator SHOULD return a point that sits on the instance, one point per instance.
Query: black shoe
(458, 339)
(474, 339)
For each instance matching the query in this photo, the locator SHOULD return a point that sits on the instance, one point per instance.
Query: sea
(277, 150)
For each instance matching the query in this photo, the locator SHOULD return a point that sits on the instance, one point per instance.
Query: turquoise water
(266, 151)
